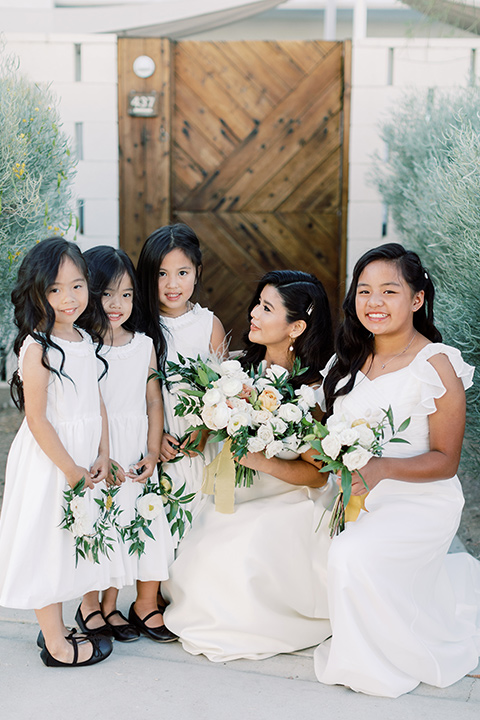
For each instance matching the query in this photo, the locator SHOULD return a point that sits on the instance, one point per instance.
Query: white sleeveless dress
(123, 390)
(188, 335)
(402, 610)
(37, 557)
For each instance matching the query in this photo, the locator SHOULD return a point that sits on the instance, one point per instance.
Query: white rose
(230, 385)
(331, 445)
(279, 425)
(336, 423)
(262, 383)
(276, 372)
(255, 444)
(149, 506)
(212, 397)
(365, 435)
(265, 433)
(216, 417)
(78, 507)
(236, 422)
(192, 420)
(82, 526)
(356, 459)
(290, 412)
(260, 417)
(230, 367)
(239, 404)
(273, 448)
(291, 442)
(307, 394)
(348, 436)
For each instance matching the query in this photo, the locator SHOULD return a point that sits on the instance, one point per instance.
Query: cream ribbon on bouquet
(219, 480)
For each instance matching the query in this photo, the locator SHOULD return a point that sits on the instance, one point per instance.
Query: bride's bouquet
(255, 411)
(346, 447)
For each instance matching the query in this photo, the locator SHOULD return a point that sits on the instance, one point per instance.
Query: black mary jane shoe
(72, 632)
(123, 633)
(104, 629)
(101, 649)
(160, 634)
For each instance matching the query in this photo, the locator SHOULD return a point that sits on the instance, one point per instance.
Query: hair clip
(310, 309)
(426, 275)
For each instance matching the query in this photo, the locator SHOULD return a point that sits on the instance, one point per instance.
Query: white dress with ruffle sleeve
(402, 610)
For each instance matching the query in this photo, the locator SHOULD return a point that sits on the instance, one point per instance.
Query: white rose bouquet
(257, 411)
(91, 538)
(346, 447)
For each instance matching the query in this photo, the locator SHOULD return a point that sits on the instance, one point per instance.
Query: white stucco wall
(82, 72)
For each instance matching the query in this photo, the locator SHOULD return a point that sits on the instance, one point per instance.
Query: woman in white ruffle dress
(402, 610)
(253, 583)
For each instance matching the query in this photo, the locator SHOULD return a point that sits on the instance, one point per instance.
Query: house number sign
(143, 104)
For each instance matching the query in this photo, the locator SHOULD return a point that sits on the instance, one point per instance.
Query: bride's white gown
(402, 610)
(253, 584)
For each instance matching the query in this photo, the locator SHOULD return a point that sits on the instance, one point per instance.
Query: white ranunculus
(149, 506)
(273, 448)
(265, 433)
(230, 367)
(230, 385)
(78, 507)
(356, 459)
(291, 442)
(82, 526)
(336, 423)
(290, 412)
(239, 404)
(237, 422)
(216, 417)
(307, 394)
(279, 425)
(348, 436)
(331, 445)
(276, 372)
(365, 435)
(255, 444)
(212, 397)
(260, 417)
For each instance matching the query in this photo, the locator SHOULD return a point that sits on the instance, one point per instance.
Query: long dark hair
(33, 314)
(304, 298)
(354, 343)
(106, 267)
(157, 245)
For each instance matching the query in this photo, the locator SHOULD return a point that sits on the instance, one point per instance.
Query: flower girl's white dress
(37, 557)
(402, 610)
(123, 391)
(188, 335)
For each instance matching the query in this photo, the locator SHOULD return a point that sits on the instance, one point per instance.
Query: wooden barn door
(248, 145)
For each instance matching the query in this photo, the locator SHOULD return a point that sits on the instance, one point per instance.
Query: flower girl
(135, 415)
(63, 439)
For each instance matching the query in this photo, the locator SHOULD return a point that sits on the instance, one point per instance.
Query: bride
(253, 584)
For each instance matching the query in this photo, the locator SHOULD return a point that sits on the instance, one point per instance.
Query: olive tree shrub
(36, 172)
(431, 183)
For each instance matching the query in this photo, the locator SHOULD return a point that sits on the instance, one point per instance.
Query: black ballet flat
(101, 649)
(104, 629)
(160, 634)
(122, 633)
(71, 633)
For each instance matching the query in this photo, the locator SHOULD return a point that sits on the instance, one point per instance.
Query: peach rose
(268, 400)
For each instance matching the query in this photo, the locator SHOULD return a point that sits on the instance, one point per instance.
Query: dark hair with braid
(156, 247)
(354, 343)
(33, 314)
(106, 267)
(304, 298)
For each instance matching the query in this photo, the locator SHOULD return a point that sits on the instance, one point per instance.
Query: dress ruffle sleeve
(431, 384)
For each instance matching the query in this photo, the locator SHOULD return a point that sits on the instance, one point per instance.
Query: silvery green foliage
(431, 183)
(36, 171)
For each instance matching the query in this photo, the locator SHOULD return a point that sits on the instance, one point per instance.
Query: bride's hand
(255, 461)
(371, 473)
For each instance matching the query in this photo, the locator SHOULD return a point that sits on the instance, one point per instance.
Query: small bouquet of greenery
(346, 447)
(91, 538)
(256, 411)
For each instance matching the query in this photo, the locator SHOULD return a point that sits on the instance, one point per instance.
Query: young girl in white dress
(169, 270)
(135, 420)
(253, 583)
(63, 438)
(402, 610)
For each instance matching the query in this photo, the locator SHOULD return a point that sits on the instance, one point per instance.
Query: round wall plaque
(143, 66)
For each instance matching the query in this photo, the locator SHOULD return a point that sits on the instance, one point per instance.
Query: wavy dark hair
(33, 314)
(354, 343)
(106, 267)
(304, 298)
(156, 247)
